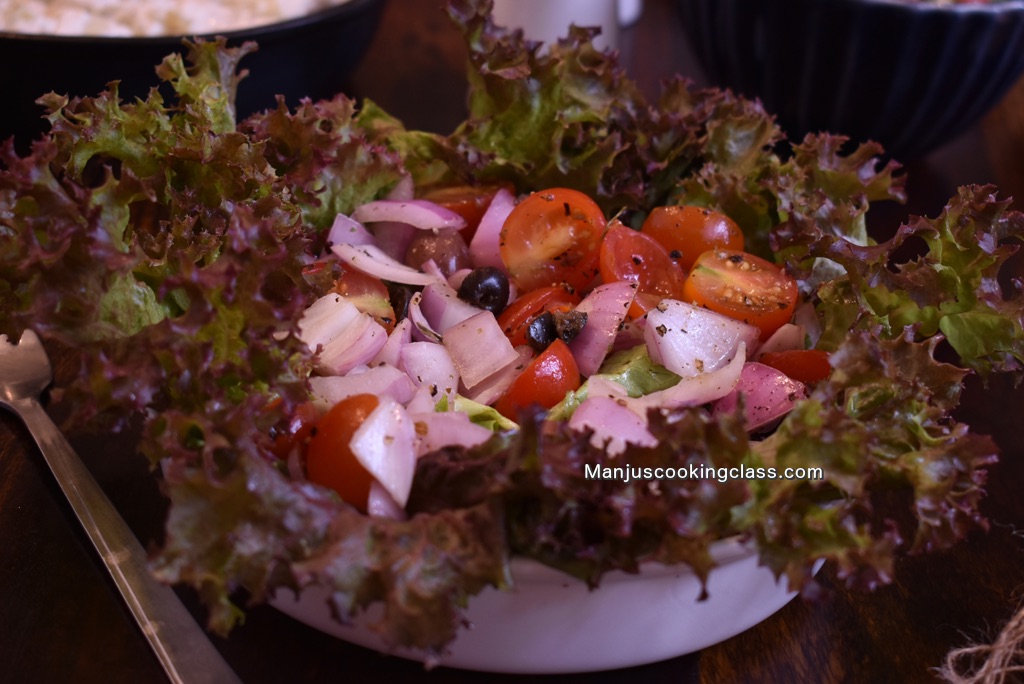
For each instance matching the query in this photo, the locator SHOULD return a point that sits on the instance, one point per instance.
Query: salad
(230, 283)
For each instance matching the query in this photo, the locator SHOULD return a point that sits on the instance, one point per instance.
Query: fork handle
(184, 651)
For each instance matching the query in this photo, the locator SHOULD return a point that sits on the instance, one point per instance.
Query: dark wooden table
(62, 621)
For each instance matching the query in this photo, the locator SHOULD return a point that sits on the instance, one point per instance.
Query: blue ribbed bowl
(910, 76)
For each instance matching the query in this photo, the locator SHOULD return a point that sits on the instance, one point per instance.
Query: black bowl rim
(968, 8)
(256, 33)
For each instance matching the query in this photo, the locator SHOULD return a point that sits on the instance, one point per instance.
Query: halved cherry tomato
(552, 237)
(516, 318)
(368, 294)
(544, 381)
(632, 256)
(744, 287)
(805, 365)
(468, 201)
(297, 432)
(329, 458)
(687, 232)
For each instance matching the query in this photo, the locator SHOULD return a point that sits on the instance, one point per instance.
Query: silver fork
(181, 646)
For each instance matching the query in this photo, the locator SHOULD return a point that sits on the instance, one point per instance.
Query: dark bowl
(310, 56)
(909, 76)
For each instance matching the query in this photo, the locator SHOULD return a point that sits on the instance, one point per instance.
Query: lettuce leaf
(481, 414)
(878, 426)
(951, 286)
(631, 368)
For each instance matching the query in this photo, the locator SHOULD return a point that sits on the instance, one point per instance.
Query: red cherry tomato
(552, 237)
(518, 315)
(744, 287)
(368, 294)
(687, 232)
(545, 381)
(632, 256)
(329, 458)
(297, 432)
(804, 365)
(468, 201)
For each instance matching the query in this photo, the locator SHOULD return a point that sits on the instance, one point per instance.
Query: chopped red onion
(788, 336)
(348, 231)
(379, 504)
(393, 238)
(372, 260)
(606, 308)
(344, 336)
(807, 317)
(491, 388)
(384, 445)
(382, 380)
(697, 389)
(325, 319)
(430, 267)
(479, 348)
(601, 386)
(421, 329)
(405, 189)
(613, 424)
(483, 248)
(630, 335)
(689, 340)
(442, 307)
(436, 430)
(455, 279)
(431, 365)
(391, 352)
(768, 394)
(418, 213)
(423, 401)
(355, 347)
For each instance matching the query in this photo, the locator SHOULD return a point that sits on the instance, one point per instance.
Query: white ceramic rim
(558, 622)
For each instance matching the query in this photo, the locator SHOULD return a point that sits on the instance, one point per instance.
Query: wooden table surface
(62, 621)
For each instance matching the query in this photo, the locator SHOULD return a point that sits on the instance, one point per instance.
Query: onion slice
(689, 340)
(697, 389)
(479, 348)
(379, 504)
(342, 336)
(421, 328)
(328, 390)
(788, 336)
(606, 308)
(493, 386)
(405, 189)
(483, 248)
(431, 365)
(393, 238)
(384, 445)
(442, 307)
(371, 260)
(347, 231)
(418, 213)
(436, 430)
(768, 394)
(391, 352)
(613, 424)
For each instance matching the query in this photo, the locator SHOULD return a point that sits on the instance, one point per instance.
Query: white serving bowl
(551, 623)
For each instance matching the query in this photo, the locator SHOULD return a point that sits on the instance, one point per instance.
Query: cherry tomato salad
(489, 333)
